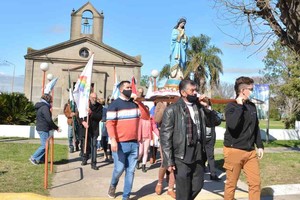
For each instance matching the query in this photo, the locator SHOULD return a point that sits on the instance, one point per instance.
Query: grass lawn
(275, 168)
(17, 174)
(275, 143)
(263, 124)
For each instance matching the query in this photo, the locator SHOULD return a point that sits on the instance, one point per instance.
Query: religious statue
(179, 43)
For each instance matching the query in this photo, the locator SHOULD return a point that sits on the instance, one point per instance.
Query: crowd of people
(183, 131)
(186, 132)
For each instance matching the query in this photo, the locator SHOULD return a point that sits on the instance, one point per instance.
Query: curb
(278, 190)
(32, 196)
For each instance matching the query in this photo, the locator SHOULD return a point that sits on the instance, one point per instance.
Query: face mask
(192, 98)
(251, 95)
(127, 93)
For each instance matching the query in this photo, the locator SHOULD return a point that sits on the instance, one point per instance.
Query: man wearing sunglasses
(241, 138)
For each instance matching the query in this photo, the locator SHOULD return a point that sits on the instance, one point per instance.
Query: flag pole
(72, 108)
(86, 134)
(82, 90)
(114, 74)
(87, 119)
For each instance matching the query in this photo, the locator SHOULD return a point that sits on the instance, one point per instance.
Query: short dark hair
(239, 82)
(183, 84)
(122, 83)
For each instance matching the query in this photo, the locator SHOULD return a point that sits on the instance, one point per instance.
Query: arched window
(87, 22)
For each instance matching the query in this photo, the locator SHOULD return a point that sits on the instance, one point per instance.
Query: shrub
(16, 109)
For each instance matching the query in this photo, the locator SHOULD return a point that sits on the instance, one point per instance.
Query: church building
(70, 57)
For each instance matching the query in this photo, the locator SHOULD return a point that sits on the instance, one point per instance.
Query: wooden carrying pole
(51, 140)
(173, 99)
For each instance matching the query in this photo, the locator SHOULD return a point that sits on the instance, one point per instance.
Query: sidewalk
(73, 181)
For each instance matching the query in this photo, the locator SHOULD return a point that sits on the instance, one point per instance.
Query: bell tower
(87, 22)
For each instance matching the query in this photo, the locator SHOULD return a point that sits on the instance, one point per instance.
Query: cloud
(6, 83)
(57, 29)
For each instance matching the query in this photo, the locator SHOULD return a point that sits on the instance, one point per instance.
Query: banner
(49, 87)
(82, 89)
(261, 100)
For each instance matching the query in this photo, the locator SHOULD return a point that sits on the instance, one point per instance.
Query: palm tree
(165, 72)
(204, 61)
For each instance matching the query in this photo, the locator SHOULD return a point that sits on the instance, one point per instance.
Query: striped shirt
(123, 120)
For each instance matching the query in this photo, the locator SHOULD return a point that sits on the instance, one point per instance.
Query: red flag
(133, 86)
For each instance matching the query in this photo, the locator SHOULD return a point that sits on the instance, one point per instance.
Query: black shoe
(144, 168)
(71, 150)
(137, 166)
(215, 178)
(84, 162)
(77, 148)
(94, 167)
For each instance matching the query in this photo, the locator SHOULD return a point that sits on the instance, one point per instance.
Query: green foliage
(16, 109)
(282, 72)
(204, 60)
(165, 72)
(219, 107)
(274, 114)
(144, 81)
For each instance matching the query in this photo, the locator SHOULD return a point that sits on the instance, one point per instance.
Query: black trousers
(91, 145)
(106, 146)
(189, 179)
(84, 156)
(210, 155)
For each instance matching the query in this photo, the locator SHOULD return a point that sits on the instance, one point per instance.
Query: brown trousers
(234, 161)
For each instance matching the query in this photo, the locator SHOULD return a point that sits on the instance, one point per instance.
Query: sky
(134, 27)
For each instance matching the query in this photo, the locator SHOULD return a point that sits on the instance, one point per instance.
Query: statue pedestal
(172, 84)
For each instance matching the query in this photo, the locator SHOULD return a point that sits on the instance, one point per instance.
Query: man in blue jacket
(44, 124)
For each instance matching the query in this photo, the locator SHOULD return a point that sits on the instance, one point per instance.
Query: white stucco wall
(30, 132)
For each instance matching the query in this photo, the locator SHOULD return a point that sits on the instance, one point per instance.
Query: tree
(204, 61)
(261, 20)
(144, 81)
(225, 90)
(16, 109)
(165, 72)
(282, 72)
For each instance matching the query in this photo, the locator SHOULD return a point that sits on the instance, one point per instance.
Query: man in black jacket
(95, 115)
(241, 136)
(182, 138)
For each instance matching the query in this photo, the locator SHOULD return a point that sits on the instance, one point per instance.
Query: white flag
(116, 91)
(82, 89)
(49, 87)
(149, 91)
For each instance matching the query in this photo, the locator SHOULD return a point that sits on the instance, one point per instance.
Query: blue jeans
(40, 152)
(125, 159)
(70, 136)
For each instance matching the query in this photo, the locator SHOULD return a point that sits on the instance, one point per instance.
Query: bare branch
(280, 18)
